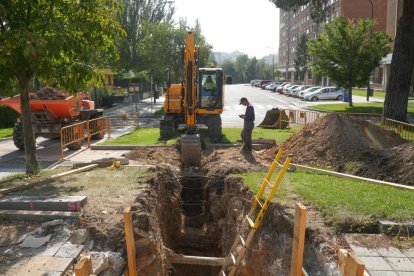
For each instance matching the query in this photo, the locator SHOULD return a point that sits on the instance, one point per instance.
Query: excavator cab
(210, 82)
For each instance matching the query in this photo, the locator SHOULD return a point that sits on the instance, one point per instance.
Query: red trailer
(49, 116)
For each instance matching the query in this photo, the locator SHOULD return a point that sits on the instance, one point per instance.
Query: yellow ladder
(251, 224)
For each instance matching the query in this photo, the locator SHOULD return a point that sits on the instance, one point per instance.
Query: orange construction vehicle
(49, 116)
(193, 105)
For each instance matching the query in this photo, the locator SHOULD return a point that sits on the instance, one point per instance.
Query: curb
(126, 147)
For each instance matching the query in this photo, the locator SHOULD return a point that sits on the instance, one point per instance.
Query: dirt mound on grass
(337, 139)
(395, 164)
(155, 155)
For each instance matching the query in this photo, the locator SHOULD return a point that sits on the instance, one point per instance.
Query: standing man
(248, 126)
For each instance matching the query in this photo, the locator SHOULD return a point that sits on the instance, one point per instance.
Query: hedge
(8, 117)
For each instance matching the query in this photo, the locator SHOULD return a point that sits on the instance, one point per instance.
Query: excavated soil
(155, 156)
(352, 146)
(49, 93)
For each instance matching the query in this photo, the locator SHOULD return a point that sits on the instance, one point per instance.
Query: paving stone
(391, 252)
(69, 250)
(50, 251)
(409, 252)
(362, 251)
(375, 263)
(34, 242)
(404, 273)
(401, 264)
(44, 266)
(384, 273)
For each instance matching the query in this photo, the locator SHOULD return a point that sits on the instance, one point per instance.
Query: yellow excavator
(193, 107)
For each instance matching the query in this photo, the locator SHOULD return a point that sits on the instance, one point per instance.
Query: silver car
(325, 93)
(302, 93)
(295, 91)
(288, 90)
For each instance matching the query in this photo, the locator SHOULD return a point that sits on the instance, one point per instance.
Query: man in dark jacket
(248, 126)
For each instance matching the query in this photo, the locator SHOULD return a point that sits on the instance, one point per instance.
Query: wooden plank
(342, 254)
(47, 180)
(395, 185)
(37, 215)
(83, 267)
(298, 240)
(353, 265)
(130, 244)
(43, 203)
(196, 260)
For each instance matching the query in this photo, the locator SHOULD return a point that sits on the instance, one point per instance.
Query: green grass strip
(6, 132)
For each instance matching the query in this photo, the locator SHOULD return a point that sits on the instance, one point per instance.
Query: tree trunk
(402, 63)
(350, 96)
(32, 165)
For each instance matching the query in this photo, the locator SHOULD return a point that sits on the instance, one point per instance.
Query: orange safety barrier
(406, 131)
(72, 136)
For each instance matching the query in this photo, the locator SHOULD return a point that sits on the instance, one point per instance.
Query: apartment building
(295, 23)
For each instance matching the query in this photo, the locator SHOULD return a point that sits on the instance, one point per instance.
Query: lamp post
(370, 35)
(273, 61)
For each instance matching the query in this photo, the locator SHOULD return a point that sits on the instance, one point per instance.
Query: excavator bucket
(275, 118)
(190, 150)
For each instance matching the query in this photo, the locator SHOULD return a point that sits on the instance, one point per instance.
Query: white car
(288, 91)
(272, 86)
(325, 93)
(295, 91)
(302, 93)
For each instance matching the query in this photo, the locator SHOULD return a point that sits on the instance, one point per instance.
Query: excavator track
(190, 150)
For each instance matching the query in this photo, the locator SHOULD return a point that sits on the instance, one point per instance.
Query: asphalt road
(262, 101)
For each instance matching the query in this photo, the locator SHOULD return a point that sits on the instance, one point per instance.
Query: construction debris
(35, 242)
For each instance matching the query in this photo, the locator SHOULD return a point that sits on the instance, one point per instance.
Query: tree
(134, 16)
(402, 64)
(347, 53)
(302, 56)
(44, 38)
(242, 64)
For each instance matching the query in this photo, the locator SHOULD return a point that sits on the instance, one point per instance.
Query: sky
(249, 26)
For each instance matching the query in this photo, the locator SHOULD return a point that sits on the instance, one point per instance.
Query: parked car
(280, 88)
(252, 82)
(263, 83)
(272, 86)
(288, 90)
(325, 93)
(302, 93)
(295, 91)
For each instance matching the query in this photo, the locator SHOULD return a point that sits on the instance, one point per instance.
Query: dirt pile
(337, 139)
(395, 165)
(155, 156)
(49, 93)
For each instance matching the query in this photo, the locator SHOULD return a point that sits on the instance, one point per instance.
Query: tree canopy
(347, 53)
(60, 40)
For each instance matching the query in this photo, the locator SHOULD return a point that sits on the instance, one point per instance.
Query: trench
(200, 214)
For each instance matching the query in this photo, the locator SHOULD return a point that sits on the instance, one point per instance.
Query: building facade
(295, 23)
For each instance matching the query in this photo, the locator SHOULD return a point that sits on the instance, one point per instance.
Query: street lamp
(273, 61)
(370, 35)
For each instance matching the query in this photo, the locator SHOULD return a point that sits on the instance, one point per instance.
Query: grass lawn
(148, 136)
(358, 108)
(377, 94)
(6, 132)
(343, 202)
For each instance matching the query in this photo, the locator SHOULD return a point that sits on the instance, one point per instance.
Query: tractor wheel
(18, 137)
(214, 128)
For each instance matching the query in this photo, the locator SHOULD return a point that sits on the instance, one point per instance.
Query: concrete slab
(401, 264)
(50, 251)
(375, 263)
(408, 252)
(384, 273)
(362, 251)
(42, 203)
(69, 250)
(391, 252)
(38, 265)
(37, 215)
(35, 242)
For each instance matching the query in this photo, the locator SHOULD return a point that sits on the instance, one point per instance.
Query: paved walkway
(389, 261)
